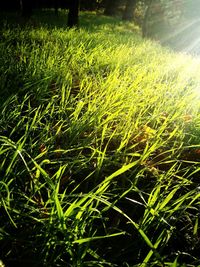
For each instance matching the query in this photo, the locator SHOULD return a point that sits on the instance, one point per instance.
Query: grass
(99, 153)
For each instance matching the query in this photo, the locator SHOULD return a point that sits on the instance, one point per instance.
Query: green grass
(99, 154)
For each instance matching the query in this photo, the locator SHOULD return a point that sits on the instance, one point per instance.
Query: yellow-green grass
(99, 153)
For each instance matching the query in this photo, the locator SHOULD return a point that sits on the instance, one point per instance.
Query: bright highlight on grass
(99, 149)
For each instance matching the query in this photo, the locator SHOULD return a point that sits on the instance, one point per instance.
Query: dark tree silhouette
(10, 5)
(26, 6)
(56, 5)
(111, 7)
(129, 10)
(145, 32)
(89, 4)
(73, 13)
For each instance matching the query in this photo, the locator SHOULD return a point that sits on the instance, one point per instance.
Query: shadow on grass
(48, 19)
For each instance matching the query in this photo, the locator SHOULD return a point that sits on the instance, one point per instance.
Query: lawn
(99, 146)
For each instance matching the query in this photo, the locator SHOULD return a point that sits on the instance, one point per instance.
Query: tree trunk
(129, 10)
(56, 7)
(145, 21)
(26, 6)
(111, 6)
(73, 13)
(88, 5)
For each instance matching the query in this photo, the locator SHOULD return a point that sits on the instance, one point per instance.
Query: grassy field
(99, 146)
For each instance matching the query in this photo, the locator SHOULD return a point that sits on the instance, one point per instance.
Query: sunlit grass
(99, 148)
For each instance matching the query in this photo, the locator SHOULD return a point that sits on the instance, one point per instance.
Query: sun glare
(185, 37)
(177, 24)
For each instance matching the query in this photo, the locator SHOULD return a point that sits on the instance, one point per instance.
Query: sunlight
(176, 24)
(99, 137)
(190, 72)
(185, 38)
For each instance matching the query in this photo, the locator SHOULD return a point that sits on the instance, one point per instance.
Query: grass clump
(99, 149)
